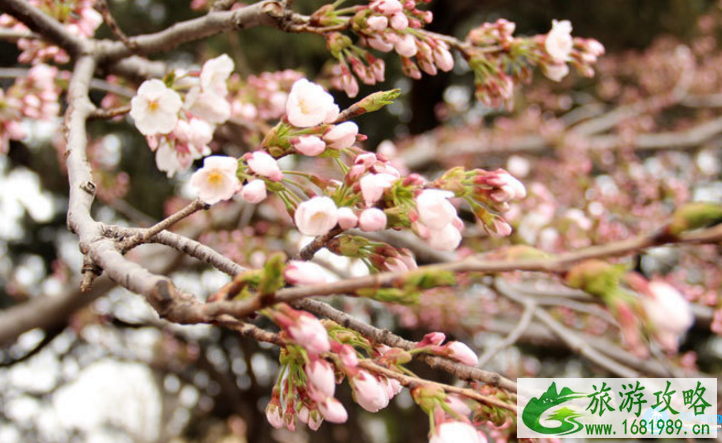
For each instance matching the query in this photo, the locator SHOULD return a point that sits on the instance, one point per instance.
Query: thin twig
(147, 234)
(574, 341)
(526, 317)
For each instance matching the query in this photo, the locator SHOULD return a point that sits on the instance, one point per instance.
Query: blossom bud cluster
(34, 97)
(310, 396)
(78, 17)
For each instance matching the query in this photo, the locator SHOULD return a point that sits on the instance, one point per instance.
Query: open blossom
(309, 105)
(304, 273)
(217, 179)
(559, 42)
(308, 332)
(310, 145)
(155, 108)
(215, 73)
(341, 136)
(208, 105)
(254, 192)
(316, 216)
(263, 164)
(372, 219)
(369, 393)
(460, 352)
(455, 432)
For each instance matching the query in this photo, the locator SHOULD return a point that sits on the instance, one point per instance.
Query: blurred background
(105, 368)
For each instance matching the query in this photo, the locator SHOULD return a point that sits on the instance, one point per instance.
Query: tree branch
(48, 27)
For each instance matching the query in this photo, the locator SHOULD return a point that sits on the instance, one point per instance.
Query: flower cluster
(179, 128)
(79, 18)
(307, 381)
(496, 73)
(34, 97)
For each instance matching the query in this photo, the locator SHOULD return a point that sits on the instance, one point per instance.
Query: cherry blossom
(216, 180)
(316, 216)
(155, 108)
(309, 105)
(559, 43)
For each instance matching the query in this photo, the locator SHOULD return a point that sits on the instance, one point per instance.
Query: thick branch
(269, 12)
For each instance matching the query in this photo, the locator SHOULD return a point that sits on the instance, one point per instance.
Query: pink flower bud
(392, 386)
(320, 374)
(387, 7)
(349, 85)
(263, 164)
(341, 136)
(373, 186)
(274, 416)
(399, 21)
(366, 160)
(406, 46)
(462, 353)
(378, 68)
(254, 192)
(393, 264)
(348, 356)
(368, 392)
(443, 59)
(458, 405)
(308, 332)
(372, 219)
(379, 44)
(500, 228)
(314, 420)
(301, 273)
(310, 145)
(432, 339)
(377, 23)
(333, 411)
(347, 219)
